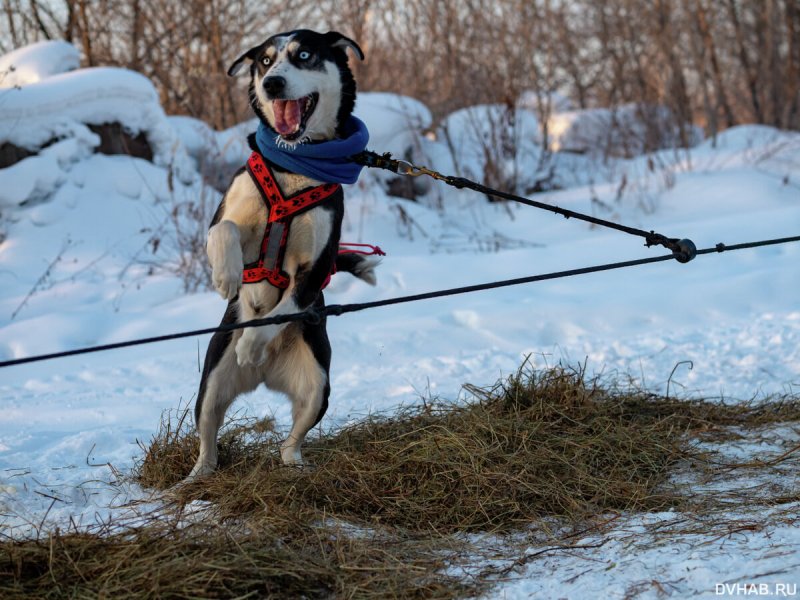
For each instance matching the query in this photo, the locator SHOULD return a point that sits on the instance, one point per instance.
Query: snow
(77, 256)
(61, 106)
(39, 112)
(651, 555)
(626, 130)
(395, 123)
(38, 61)
(472, 135)
(207, 147)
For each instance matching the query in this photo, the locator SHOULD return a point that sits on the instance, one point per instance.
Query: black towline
(316, 315)
(684, 249)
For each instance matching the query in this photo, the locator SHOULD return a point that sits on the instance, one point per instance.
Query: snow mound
(232, 142)
(195, 135)
(37, 177)
(396, 123)
(63, 105)
(225, 150)
(750, 137)
(474, 126)
(38, 61)
(626, 131)
(477, 139)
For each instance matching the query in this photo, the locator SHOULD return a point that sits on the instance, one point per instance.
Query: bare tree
(713, 62)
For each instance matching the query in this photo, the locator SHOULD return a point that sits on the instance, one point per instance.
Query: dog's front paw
(251, 348)
(227, 280)
(225, 255)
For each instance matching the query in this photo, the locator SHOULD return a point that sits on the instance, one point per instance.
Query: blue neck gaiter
(326, 161)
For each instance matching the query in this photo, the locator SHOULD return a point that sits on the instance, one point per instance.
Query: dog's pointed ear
(337, 40)
(237, 65)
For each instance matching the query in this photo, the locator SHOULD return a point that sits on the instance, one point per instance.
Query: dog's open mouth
(291, 116)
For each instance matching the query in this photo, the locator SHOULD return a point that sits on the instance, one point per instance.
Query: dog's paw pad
(227, 282)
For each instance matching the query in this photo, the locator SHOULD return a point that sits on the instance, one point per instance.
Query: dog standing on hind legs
(274, 240)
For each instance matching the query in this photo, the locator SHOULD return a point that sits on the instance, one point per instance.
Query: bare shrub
(716, 63)
(187, 239)
(177, 244)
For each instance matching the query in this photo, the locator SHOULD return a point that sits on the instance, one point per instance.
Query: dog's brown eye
(266, 61)
(304, 55)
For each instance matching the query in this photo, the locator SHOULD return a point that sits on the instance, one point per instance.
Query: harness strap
(280, 212)
(348, 248)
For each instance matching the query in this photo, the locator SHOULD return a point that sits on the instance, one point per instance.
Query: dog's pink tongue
(287, 116)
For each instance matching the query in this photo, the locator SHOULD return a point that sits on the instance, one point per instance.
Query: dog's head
(300, 83)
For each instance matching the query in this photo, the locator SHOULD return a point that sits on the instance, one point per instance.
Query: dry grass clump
(548, 443)
(164, 460)
(370, 519)
(213, 561)
(538, 444)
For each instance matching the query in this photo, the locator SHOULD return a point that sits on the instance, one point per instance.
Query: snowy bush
(495, 144)
(178, 248)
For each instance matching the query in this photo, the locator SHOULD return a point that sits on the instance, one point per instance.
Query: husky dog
(303, 92)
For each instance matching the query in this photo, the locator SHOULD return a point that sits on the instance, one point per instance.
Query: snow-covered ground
(718, 553)
(77, 232)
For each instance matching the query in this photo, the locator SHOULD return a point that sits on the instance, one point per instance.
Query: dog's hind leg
(222, 381)
(302, 372)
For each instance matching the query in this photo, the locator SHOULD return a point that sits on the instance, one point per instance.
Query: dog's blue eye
(266, 61)
(304, 55)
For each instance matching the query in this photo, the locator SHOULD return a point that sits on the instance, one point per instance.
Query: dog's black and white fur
(291, 358)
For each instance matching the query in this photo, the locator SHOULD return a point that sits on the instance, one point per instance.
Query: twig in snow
(43, 277)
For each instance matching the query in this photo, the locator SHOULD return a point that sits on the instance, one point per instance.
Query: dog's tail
(358, 265)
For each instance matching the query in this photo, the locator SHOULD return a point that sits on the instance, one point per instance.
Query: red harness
(280, 212)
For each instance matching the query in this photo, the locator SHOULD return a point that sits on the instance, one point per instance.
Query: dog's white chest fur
(291, 183)
(245, 206)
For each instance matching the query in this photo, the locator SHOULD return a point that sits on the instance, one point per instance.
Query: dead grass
(375, 516)
(539, 444)
(204, 561)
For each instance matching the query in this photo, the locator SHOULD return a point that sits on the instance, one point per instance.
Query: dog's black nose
(274, 85)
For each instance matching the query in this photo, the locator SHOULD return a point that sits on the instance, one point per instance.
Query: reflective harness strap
(280, 212)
